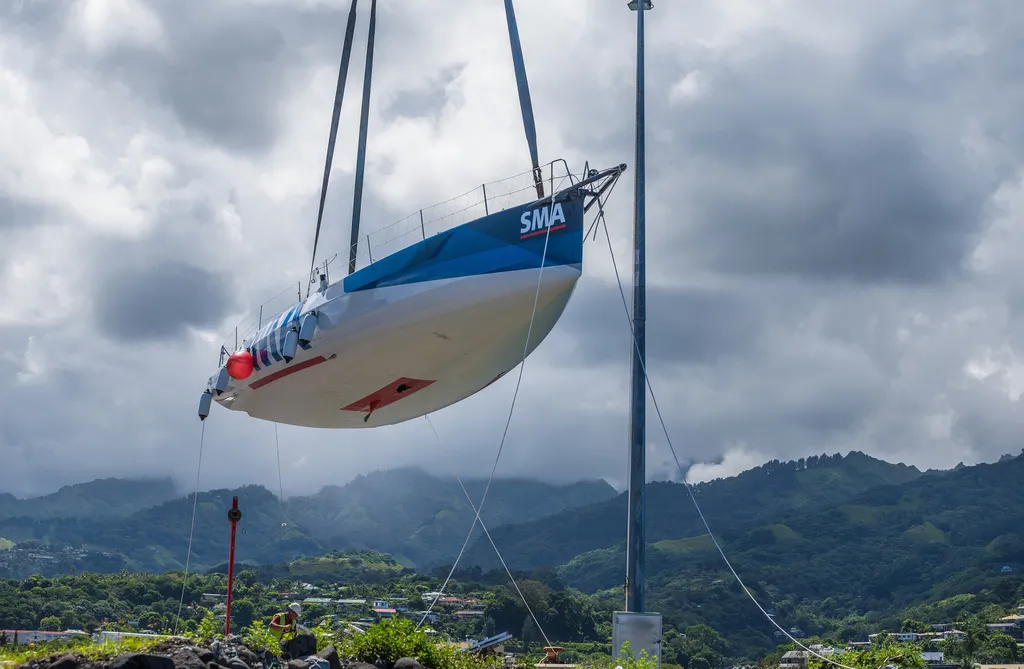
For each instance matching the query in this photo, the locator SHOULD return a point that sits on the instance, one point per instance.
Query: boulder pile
(229, 653)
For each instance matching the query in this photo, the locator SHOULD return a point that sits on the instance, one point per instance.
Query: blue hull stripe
(500, 242)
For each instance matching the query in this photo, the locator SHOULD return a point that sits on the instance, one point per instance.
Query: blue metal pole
(636, 533)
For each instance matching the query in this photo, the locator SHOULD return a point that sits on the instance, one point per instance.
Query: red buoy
(240, 365)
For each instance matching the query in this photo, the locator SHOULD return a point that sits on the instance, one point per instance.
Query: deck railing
(487, 198)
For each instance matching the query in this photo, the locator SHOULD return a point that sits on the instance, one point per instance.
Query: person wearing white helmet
(282, 625)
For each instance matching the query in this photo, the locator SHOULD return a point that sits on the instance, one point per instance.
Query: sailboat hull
(421, 329)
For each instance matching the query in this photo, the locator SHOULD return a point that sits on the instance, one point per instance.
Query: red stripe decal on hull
(541, 232)
(389, 394)
(298, 367)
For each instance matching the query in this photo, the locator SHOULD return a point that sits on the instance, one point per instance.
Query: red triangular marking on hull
(389, 394)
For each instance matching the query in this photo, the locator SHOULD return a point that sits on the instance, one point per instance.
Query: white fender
(205, 401)
(291, 344)
(307, 328)
(223, 379)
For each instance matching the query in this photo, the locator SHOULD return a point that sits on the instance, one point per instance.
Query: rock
(64, 662)
(331, 655)
(247, 656)
(141, 661)
(236, 663)
(302, 645)
(361, 665)
(407, 663)
(204, 655)
(189, 657)
(215, 649)
(383, 664)
(297, 664)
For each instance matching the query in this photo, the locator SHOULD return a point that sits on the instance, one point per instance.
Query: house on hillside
(383, 613)
(794, 659)
(1012, 628)
(468, 613)
(349, 604)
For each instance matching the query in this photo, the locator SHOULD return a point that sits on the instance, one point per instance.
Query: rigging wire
(280, 485)
(346, 53)
(192, 529)
(493, 545)
(508, 421)
(675, 457)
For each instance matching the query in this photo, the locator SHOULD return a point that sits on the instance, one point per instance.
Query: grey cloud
(793, 170)
(15, 213)
(694, 325)
(229, 68)
(158, 302)
(426, 100)
(809, 217)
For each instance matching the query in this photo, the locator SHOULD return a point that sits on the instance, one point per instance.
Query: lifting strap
(346, 53)
(525, 103)
(364, 117)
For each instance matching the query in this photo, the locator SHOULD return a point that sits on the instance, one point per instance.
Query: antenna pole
(636, 532)
(642, 629)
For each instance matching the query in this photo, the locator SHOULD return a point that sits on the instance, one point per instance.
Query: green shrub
(396, 638)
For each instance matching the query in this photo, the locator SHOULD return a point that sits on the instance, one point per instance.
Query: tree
(50, 624)
(887, 653)
(910, 625)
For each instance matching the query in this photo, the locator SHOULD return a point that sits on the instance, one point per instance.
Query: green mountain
(102, 498)
(769, 491)
(419, 518)
(845, 567)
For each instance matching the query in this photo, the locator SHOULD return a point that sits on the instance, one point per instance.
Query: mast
(636, 531)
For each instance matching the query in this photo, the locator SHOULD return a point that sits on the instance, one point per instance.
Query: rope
(493, 545)
(192, 529)
(689, 489)
(504, 434)
(280, 485)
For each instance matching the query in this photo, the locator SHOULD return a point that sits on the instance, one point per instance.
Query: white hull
(457, 334)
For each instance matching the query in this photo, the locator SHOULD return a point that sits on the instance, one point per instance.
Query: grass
(84, 646)
(926, 533)
(785, 533)
(697, 544)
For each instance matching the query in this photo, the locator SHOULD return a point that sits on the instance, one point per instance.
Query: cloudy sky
(835, 205)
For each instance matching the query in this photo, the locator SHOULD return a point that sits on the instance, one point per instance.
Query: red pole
(234, 515)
